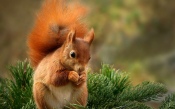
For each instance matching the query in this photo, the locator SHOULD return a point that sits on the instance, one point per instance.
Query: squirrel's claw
(76, 79)
(82, 79)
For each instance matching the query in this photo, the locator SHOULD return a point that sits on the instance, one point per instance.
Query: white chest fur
(61, 96)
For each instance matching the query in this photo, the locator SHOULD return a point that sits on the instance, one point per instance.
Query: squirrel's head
(75, 52)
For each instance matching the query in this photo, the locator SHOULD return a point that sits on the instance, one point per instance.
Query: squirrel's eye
(72, 54)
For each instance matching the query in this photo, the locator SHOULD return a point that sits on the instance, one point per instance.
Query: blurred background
(135, 36)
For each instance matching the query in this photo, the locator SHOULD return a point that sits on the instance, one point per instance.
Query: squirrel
(59, 51)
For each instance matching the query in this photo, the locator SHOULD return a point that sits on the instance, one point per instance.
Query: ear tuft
(90, 36)
(71, 36)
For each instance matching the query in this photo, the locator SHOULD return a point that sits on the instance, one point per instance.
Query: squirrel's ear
(90, 36)
(71, 36)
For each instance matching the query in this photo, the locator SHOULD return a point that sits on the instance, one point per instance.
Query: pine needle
(108, 89)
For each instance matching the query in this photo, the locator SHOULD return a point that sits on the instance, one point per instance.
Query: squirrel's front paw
(82, 78)
(73, 76)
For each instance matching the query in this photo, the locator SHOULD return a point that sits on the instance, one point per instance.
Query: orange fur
(60, 76)
(42, 40)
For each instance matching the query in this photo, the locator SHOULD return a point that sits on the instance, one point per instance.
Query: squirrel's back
(52, 24)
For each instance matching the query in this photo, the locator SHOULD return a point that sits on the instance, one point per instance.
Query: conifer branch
(169, 102)
(109, 88)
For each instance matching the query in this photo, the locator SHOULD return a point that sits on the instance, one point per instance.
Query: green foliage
(169, 102)
(17, 93)
(109, 88)
(146, 91)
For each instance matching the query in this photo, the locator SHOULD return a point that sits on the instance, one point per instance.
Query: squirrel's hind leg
(40, 90)
(82, 99)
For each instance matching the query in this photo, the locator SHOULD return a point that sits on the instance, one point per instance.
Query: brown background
(135, 36)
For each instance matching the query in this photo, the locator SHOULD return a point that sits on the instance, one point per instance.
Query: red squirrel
(59, 50)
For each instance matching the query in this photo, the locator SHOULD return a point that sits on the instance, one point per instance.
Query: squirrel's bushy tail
(54, 16)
